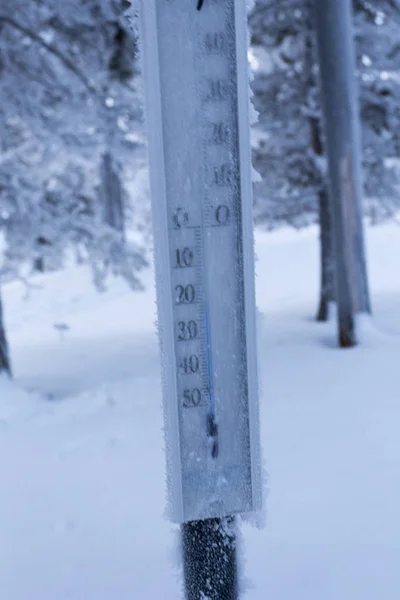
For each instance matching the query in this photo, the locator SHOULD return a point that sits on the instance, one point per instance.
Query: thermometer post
(197, 101)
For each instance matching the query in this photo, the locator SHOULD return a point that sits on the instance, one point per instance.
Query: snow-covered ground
(81, 455)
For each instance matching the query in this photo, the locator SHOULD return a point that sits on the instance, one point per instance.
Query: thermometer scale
(196, 72)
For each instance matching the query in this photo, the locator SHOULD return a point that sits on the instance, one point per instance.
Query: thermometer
(197, 98)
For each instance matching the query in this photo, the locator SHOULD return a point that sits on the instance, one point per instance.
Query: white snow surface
(82, 490)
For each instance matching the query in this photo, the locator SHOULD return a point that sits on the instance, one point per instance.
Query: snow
(82, 487)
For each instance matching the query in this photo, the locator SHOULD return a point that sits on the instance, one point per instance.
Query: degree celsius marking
(221, 214)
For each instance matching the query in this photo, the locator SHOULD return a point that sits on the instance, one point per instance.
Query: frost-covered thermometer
(196, 73)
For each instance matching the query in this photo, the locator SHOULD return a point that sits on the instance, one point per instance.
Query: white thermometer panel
(195, 66)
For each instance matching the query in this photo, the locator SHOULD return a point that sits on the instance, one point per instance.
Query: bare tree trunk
(39, 260)
(4, 356)
(341, 120)
(111, 193)
(327, 266)
(327, 289)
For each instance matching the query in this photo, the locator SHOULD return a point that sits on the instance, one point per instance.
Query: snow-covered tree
(284, 96)
(288, 148)
(68, 98)
(68, 95)
(288, 140)
(377, 31)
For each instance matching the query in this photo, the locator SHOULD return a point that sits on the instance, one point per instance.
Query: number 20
(185, 294)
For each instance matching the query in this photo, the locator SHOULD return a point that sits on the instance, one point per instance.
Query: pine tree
(289, 141)
(68, 96)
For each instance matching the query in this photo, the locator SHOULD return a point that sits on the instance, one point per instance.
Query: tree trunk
(39, 260)
(4, 356)
(327, 291)
(111, 193)
(327, 266)
(341, 121)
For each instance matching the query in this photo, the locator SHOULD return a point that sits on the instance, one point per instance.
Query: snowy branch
(69, 64)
